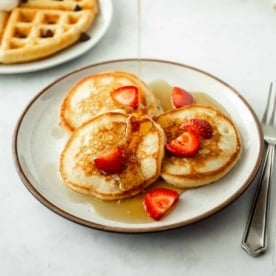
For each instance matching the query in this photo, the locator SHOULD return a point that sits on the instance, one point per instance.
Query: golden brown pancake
(91, 96)
(142, 141)
(217, 155)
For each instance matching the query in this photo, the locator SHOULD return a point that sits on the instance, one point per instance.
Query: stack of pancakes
(40, 28)
(97, 123)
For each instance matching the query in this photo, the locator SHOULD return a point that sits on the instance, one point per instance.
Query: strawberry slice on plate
(180, 97)
(199, 126)
(185, 145)
(110, 161)
(126, 95)
(158, 201)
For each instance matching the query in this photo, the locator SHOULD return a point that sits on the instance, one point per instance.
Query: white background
(232, 39)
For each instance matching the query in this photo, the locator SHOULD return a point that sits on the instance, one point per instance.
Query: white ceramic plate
(38, 143)
(96, 32)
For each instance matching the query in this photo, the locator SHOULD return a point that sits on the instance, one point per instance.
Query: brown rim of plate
(118, 229)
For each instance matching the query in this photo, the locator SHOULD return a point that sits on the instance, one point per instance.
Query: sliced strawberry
(111, 161)
(126, 95)
(185, 145)
(158, 201)
(181, 97)
(199, 126)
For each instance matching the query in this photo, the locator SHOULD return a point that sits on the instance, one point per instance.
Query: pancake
(92, 95)
(216, 156)
(142, 142)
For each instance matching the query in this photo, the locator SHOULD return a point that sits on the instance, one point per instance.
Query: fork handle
(254, 240)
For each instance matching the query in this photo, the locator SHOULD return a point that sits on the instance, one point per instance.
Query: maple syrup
(139, 34)
(162, 91)
(130, 210)
(58, 132)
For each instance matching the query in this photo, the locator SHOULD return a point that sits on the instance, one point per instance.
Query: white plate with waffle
(38, 142)
(62, 35)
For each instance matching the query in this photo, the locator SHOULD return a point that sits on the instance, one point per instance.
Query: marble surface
(234, 40)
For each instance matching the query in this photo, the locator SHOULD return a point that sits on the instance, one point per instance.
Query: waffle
(33, 32)
(3, 19)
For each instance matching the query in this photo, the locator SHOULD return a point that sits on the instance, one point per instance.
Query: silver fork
(254, 240)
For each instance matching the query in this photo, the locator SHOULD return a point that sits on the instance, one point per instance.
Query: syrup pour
(139, 34)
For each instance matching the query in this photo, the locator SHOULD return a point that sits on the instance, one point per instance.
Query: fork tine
(272, 117)
(264, 119)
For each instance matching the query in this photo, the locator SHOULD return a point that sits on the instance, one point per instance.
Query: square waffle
(40, 28)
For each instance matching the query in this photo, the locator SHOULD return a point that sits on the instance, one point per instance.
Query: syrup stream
(139, 35)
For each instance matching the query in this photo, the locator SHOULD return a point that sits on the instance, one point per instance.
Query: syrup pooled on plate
(162, 91)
